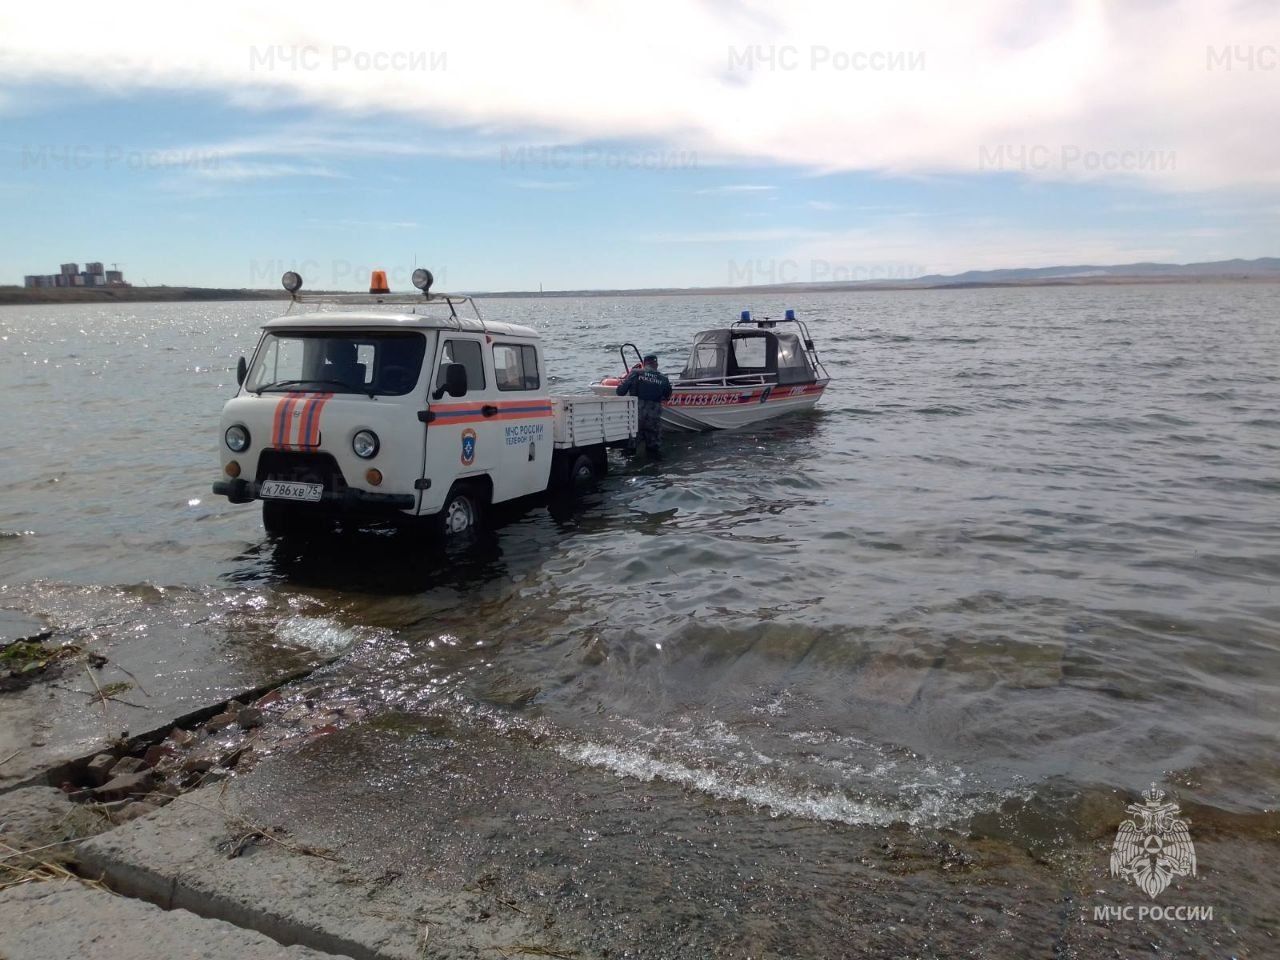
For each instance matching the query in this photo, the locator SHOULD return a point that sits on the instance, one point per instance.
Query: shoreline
(18, 296)
(23, 296)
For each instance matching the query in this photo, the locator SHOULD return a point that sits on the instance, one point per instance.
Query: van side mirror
(242, 371)
(455, 381)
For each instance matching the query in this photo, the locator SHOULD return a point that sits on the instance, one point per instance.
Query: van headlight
(237, 438)
(365, 444)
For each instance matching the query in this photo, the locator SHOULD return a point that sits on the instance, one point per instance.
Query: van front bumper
(354, 501)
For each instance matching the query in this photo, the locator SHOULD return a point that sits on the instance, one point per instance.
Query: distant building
(70, 275)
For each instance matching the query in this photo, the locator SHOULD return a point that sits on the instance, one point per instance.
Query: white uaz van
(394, 406)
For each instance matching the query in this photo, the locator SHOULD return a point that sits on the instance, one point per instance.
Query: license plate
(284, 490)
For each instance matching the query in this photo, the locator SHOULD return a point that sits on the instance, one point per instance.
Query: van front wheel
(461, 515)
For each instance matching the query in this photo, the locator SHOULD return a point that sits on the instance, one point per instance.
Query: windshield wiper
(337, 383)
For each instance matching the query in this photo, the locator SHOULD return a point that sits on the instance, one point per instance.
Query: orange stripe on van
(448, 414)
(281, 419)
(518, 416)
(309, 421)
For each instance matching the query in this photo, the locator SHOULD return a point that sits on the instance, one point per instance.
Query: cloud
(237, 170)
(738, 188)
(552, 185)
(823, 205)
(768, 235)
(1172, 95)
(364, 224)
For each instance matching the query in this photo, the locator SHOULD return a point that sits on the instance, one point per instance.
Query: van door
(524, 419)
(463, 438)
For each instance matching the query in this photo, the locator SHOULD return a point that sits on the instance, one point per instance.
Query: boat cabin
(742, 354)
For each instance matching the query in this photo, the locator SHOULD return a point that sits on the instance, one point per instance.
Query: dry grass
(34, 869)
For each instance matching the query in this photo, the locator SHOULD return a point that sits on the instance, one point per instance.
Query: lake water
(1024, 552)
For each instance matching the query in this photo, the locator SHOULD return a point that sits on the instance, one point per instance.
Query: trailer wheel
(462, 513)
(584, 473)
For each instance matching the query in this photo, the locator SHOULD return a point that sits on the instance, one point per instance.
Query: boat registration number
(710, 399)
(285, 490)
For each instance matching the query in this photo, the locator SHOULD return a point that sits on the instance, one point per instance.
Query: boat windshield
(793, 362)
(377, 363)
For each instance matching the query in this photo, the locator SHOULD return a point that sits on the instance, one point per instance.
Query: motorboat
(739, 375)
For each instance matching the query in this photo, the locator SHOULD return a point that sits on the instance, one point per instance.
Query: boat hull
(696, 408)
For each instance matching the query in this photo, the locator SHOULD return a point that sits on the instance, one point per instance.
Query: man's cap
(650, 358)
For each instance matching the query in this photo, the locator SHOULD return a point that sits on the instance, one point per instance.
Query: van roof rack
(451, 300)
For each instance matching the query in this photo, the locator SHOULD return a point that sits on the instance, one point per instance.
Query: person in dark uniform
(651, 387)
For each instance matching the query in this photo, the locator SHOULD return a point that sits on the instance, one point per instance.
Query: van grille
(301, 468)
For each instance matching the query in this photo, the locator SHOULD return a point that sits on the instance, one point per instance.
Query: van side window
(516, 366)
(467, 353)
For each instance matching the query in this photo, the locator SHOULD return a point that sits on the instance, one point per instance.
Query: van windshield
(375, 363)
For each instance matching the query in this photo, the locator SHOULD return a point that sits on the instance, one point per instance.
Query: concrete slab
(1008, 661)
(898, 670)
(167, 655)
(66, 920)
(42, 817)
(200, 854)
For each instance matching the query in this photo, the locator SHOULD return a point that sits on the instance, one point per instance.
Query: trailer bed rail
(584, 420)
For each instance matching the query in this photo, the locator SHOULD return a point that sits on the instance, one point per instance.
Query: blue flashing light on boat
(746, 316)
(790, 315)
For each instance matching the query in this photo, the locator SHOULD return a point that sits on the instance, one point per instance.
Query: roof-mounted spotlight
(291, 281)
(422, 279)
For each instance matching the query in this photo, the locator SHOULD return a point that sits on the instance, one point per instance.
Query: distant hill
(1262, 268)
(1265, 269)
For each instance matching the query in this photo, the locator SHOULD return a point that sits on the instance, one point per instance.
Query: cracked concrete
(201, 854)
(66, 920)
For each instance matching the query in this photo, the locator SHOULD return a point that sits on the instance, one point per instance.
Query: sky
(578, 144)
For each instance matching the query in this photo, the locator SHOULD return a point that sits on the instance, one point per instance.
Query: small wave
(880, 337)
(935, 808)
(320, 634)
(1170, 419)
(944, 410)
(16, 534)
